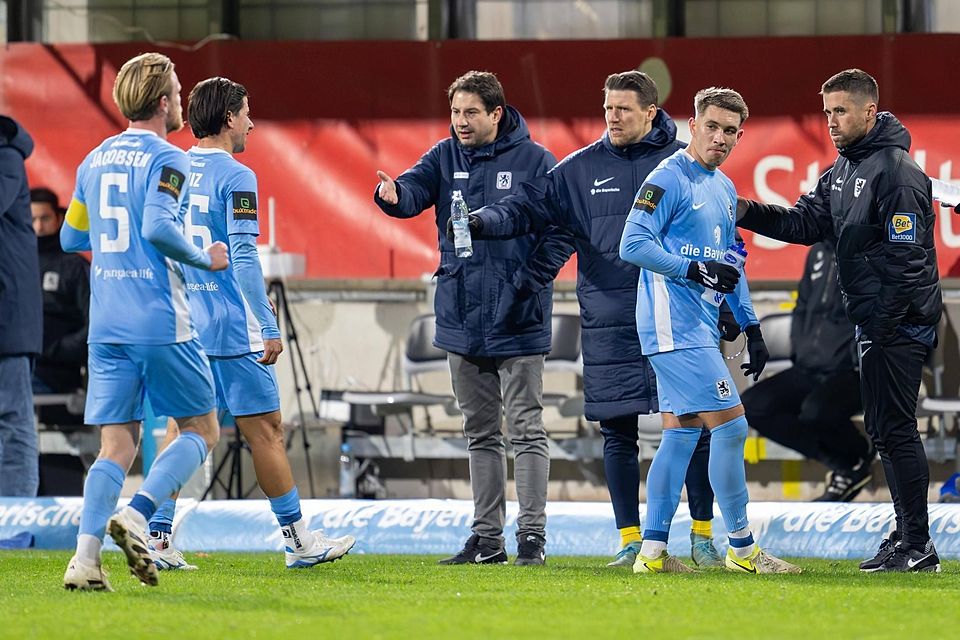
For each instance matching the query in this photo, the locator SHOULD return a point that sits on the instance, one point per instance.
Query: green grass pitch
(252, 595)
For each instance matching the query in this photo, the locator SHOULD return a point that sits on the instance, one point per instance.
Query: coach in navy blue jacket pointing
(589, 194)
(493, 310)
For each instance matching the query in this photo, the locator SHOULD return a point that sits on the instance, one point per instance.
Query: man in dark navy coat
(21, 316)
(493, 317)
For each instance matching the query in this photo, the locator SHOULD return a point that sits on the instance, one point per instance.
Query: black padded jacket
(875, 205)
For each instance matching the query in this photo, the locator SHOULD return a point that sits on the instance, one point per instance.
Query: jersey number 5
(108, 211)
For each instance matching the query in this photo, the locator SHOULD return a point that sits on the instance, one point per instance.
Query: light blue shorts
(176, 377)
(693, 380)
(244, 386)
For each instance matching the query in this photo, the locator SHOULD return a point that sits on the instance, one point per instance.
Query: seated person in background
(808, 407)
(65, 280)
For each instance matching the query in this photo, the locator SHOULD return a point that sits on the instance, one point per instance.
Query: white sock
(743, 552)
(88, 549)
(299, 534)
(137, 517)
(652, 548)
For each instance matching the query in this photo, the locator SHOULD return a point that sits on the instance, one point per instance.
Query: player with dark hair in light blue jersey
(236, 324)
(126, 210)
(678, 231)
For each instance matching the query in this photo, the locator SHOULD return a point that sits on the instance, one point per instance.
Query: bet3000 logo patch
(903, 227)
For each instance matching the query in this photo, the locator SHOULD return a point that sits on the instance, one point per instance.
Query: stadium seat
(939, 403)
(420, 357)
(565, 357)
(776, 335)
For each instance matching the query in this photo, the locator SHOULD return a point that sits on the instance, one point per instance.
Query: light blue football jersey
(691, 213)
(223, 201)
(137, 295)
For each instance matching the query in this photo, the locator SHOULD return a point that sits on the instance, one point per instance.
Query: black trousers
(890, 383)
(811, 415)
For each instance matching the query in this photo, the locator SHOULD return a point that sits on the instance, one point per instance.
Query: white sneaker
(85, 577)
(128, 529)
(165, 555)
(314, 548)
(759, 562)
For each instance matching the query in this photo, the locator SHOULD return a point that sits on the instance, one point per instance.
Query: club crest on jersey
(171, 182)
(723, 389)
(716, 234)
(903, 227)
(244, 205)
(504, 180)
(648, 197)
(858, 186)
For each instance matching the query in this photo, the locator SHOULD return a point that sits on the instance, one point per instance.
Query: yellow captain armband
(77, 216)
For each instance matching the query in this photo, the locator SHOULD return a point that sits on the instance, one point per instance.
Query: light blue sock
(665, 479)
(101, 490)
(170, 471)
(727, 475)
(287, 507)
(162, 520)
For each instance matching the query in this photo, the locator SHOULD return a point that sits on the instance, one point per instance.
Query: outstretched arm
(807, 222)
(414, 190)
(539, 203)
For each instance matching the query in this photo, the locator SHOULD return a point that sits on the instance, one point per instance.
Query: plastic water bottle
(348, 483)
(459, 214)
(735, 256)
(947, 193)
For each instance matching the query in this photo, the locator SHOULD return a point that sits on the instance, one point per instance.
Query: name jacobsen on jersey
(121, 157)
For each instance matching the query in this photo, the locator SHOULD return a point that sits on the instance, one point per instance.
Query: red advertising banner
(329, 115)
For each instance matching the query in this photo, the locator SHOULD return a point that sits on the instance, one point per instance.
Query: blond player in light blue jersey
(126, 210)
(678, 230)
(236, 325)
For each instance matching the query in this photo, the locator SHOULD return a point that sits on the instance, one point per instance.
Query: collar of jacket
(662, 133)
(888, 132)
(49, 244)
(512, 130)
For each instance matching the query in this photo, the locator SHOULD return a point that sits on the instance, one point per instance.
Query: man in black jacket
(808, 406)
(875, 204)
(65, 280)
(21, 319)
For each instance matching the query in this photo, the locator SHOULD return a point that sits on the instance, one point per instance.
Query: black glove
(757, 349)
(714, 275)
(473, 222)
(728, 325)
